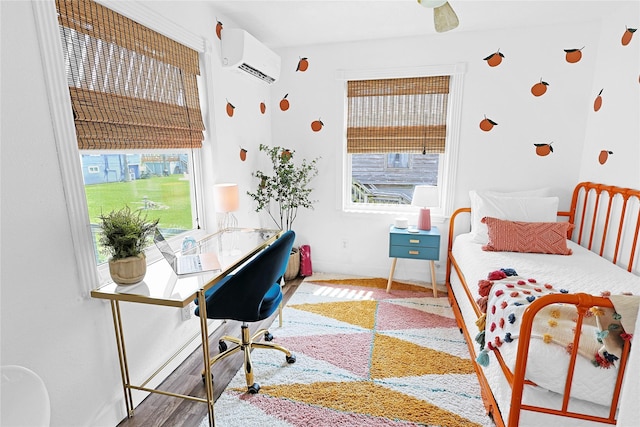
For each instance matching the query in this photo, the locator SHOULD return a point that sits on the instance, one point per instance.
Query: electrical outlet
(187, 312)
(344, 244)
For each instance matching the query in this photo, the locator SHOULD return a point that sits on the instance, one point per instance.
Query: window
(157, 184)
(401, 132)
(134, 96)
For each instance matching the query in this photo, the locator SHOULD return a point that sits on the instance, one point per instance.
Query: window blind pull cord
(193, 163)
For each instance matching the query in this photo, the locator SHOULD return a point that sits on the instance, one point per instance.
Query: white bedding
(583, 271)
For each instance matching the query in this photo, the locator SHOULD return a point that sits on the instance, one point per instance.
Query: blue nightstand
(414, 244)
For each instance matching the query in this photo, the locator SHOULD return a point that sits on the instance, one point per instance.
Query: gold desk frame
(106, 292)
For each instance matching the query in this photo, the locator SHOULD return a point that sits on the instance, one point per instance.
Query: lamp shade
(225, 197)
(425, 196)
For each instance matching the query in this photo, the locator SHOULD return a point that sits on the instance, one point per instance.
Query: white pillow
(475, 197)
(527, 209)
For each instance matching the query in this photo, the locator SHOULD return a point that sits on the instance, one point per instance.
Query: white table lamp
(226, 201)
(425, 196)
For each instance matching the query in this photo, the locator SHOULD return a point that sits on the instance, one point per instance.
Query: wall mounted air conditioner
(243, 52)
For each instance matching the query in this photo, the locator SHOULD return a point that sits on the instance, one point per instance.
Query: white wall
(68, 340)
(502, 159)
(616, 126)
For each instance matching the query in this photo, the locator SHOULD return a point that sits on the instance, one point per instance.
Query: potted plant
(283, 191)
(124, 236)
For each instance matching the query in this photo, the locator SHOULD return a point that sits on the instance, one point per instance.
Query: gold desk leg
(393, 269)
(122, 357)
(204, 329)
(433, 279)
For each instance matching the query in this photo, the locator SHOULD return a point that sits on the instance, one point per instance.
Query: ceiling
(288, 23)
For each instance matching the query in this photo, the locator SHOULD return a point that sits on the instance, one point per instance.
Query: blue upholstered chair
(251, 294)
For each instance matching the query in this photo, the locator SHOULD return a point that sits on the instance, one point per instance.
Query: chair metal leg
(252, 387)
(271, 346)
(257, 334)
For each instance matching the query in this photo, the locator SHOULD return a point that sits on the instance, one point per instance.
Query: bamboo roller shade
(397, 115)
(130, 87)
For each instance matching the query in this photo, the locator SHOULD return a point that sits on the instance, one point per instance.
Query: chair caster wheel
(254, 389)
(204, 381)
(222, 346)
(291, 359)
(268, 336)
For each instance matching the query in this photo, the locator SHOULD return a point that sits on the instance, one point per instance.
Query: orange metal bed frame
(598, 212)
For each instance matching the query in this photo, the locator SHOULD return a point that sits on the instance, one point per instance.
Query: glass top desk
(161, 286)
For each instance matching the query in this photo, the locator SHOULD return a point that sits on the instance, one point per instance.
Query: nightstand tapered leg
(433, 279)
(393, 268)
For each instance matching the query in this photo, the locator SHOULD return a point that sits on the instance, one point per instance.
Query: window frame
(447, 167)
(91, 275)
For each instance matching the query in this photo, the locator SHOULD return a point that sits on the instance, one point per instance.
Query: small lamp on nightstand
(425, 196)
(225, 197)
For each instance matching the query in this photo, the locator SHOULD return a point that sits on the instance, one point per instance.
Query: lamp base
(424, 219)
(226, 220)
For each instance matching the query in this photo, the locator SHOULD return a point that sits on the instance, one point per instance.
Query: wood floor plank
(164, 411)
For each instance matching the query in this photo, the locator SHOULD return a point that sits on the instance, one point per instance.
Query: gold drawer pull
(414, 241)
(414, 252)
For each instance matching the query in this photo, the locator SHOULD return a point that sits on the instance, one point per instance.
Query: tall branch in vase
(286, 188)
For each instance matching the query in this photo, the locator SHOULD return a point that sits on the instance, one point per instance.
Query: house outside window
(401, 132)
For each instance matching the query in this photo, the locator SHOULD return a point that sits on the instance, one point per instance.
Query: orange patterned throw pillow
(532, 237)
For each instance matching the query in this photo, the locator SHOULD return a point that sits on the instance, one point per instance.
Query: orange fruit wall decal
(539, 88)
(219, 30)
(543, 149)
(316, 125)
(303, 64)
(243, 154)
(284, 103)
(487, 124)
(494, 59)
(627, 35)
(597, 103)
(573, 55)
(230, 109)
(603, 156)
(263, 107)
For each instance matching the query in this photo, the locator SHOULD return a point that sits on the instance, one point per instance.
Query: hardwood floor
(159, 410)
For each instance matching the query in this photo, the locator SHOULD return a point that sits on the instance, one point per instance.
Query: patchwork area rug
(364, 358)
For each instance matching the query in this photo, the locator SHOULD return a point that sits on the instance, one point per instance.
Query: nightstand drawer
(417, 252)
(418, 240)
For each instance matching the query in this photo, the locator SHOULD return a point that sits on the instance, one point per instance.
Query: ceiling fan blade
(445, 18)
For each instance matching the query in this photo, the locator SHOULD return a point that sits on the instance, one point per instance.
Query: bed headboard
(607, 222)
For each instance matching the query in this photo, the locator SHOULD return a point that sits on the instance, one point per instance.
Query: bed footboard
(583, 303)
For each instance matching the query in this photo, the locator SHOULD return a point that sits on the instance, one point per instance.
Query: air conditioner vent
(257, 73)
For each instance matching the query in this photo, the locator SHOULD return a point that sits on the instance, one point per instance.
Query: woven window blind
(130, 87)
(406, 115)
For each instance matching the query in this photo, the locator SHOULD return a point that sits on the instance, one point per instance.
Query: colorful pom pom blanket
(507, 296)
